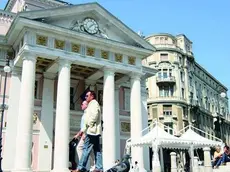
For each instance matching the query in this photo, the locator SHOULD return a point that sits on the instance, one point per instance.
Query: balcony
(169, 80)
(166, 100)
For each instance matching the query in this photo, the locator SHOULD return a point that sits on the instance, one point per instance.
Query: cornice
(6, 17)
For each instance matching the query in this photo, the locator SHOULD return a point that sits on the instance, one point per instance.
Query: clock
(90, 26)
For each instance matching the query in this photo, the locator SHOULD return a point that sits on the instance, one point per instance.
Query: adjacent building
(183, 92)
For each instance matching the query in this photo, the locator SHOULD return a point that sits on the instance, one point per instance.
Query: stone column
(136, 117)
(156, 166)
(162, 158)
(110, 131)
(196, 165)
(173, 162)
(117, 121)
(12, 120)
(61, 149)
(25, 115)
(207, 160)
(46, 127)
(144, 162)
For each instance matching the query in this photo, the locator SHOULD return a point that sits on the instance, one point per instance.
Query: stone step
(223, 168)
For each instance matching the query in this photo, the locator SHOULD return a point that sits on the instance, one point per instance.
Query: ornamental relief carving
(104, 54)
(83, 26)
(132, 60)
(41, 40)
(90, 51)
(59, 44)
(125, 127)
(76, 48)
(118, 57)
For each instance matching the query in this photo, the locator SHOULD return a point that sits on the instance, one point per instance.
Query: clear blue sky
(204, 22)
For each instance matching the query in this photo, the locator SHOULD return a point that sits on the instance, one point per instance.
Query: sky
(204, 22)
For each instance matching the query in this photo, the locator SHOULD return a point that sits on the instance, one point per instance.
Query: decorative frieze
(118, 57)
(125, 127)
(132, 60)
(76, 48)
(104, 54)
(41, 40)
(35, 118)
(58, 44)
(90, 51)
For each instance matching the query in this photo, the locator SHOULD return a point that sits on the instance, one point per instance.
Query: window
(168, 127)
(190, 81)
(164, 57)
(36, 90)
(72, 98)
(159, 73)
(191, 97)
(167, 110)
(180, 60)
(182, 76)
(170, 72)
(166, 91)
(182, 93)
(185, 112)
(165, 73)
(171, 90)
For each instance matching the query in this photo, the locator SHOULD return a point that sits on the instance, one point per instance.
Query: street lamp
(7, 69)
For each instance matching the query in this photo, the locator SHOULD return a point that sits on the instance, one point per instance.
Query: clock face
(90, 26)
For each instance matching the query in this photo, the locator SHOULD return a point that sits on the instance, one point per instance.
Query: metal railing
(167, 79)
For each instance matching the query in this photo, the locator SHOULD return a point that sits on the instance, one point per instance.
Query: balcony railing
(166, 99)
(170, 79)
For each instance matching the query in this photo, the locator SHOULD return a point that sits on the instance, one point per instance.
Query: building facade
(183, 92)
(56, 51)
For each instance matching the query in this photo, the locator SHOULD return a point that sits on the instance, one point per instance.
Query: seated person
(225, 157)
(217, 155)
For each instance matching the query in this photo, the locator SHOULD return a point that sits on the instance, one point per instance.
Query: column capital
(16, 70)
(48, 75)
(64, 63)
(136, 76)
(206, 149)
(30, 57)
(108, 71)
(173, 154)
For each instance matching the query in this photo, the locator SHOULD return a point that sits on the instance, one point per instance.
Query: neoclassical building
(56, 51)
(183, 92)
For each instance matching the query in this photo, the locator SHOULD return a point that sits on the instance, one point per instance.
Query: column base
(173, 169)
(156, 169)
(22, 170)
(60, 170)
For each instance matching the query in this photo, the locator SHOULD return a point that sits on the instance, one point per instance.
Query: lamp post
(7, 69)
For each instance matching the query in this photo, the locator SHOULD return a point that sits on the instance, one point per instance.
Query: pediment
(75, 18)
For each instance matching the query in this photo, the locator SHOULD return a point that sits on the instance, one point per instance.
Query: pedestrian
(80, 145)
(91, 134)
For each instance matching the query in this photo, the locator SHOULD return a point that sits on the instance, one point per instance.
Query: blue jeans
(91, 142)
(225, 158)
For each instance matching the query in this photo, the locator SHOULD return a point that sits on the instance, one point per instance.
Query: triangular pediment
(92, 19)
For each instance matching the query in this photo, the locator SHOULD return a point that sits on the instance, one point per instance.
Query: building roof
(11, 2)
(207, 73)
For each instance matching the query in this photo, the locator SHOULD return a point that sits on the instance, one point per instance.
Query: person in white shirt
(80, 145)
